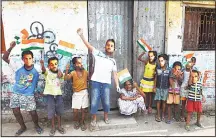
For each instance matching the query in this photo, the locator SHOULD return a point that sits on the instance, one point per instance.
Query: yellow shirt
(53, 83)
(149, 70)
(79, 83)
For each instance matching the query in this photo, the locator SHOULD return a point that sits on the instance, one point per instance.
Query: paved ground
(137, 125)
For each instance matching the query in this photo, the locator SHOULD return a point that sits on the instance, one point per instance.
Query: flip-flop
(107, 121)
(52, 132)
(83, 127)
(61, 130)
(182, 119)
(149, 110)
(76, 125)
(187, 127)
(19, 132)
(157, 119)
(39, 130)
(168, 121)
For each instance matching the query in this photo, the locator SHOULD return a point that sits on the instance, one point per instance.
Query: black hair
(193, 59)
(164, 56)
(74, 60)
(155, 54)
(52, 58)
(28, 52)
(195, 71)
(111, 40)
(177, 63)
(131, 82)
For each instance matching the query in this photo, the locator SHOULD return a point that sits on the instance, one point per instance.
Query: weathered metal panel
(112, 19)
(149, 24)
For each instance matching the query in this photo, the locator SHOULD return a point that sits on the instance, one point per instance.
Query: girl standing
(147, 84)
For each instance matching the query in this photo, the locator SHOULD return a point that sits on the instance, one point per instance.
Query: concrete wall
(60, 18)
(174, 42)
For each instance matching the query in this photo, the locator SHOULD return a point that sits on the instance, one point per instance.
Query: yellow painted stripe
(66, 44)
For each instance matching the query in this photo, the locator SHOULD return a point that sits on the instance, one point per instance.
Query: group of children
(169, 85)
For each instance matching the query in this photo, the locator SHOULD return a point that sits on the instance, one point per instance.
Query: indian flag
(124, 76)
(65, 48)
(142, 43)
(32, 46)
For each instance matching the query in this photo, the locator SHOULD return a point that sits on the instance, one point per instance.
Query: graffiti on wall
(39, 35)
(205, 64)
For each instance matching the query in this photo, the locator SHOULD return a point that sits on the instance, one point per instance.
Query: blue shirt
(163, 77)
(26, 81)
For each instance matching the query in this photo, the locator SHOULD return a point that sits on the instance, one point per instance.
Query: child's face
(128, 86)
(151, 57)
(195, 77)
(162, 62)
(28, 60)
(109, 48)
(78, 64)
(176, 69)
(53, 65)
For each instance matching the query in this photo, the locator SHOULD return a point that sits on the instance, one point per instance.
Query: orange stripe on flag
(25, 34)
(66, 44)
(189, 55)
(32, 40)
(146, 44)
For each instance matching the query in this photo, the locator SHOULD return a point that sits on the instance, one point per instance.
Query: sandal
(182, 119)
(39, 130)
(168, 121)
(61, 130)
(76, 125)
(187, 127)
(163, 118)
(107, 121)
(157, 119)
(52, 132)
(199, 125)
(83, 126)
(149, 110)
(19, 132)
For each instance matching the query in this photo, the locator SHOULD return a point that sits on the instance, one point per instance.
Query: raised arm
(87, 44)
(42, 66)
(7, 53)
(140, 58)
(67, 76)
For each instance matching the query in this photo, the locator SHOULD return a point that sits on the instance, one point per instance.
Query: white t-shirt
(186, 78)
(104, 66)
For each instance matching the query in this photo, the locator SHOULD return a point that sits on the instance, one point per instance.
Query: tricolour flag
(32, 46)
(141, 42)
(65, 48)
(124, 76)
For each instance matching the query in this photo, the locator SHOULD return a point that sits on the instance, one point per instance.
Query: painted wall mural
(46, 38)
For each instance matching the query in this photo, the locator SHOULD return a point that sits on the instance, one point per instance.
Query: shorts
(173, 98)
(24, 102)
(55, 105)
(183, 92)
(161, 94)
(80, 99)
(194, 106)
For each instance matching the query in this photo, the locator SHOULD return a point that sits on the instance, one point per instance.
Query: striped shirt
(195, 92)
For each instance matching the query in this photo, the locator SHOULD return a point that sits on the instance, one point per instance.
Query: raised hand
(12, 44)
(79, 31)
(67, 66)
(60, 74)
